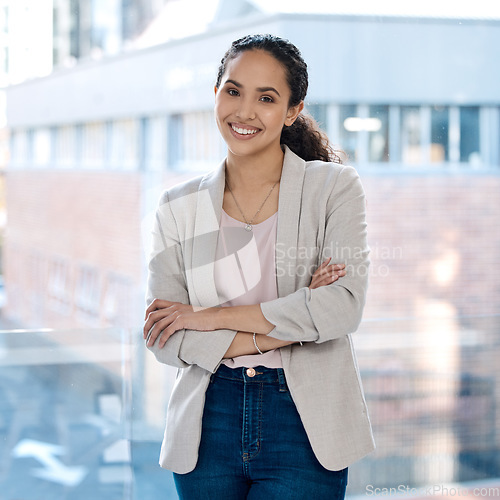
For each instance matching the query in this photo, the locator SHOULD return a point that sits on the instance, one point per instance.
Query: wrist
(221, 318)
(257, 348)
(263, 342)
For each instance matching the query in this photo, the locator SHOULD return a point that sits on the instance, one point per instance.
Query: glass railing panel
(82, 411)
(432, 387)
(65, 414)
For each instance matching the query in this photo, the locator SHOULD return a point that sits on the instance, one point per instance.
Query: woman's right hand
(326, 274)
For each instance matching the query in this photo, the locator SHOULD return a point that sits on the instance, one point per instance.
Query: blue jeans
(254, 446)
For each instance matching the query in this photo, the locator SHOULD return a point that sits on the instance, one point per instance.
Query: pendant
(248, 227)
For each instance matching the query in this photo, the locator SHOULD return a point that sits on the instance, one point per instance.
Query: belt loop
(282, 380)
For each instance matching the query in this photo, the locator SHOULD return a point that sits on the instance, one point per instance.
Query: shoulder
(318, 171)
(330, 178)
(329, 170)
(188, 189)
(181, 189)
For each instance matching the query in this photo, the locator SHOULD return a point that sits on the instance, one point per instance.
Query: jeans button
(250, 372)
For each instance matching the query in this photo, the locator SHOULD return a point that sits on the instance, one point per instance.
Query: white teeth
(243, 131)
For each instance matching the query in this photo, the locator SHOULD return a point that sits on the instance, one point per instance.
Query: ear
(293, 112)
(215, 89)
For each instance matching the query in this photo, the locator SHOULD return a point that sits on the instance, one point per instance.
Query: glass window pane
(469, 135)
(19, 144)
(347, 136)
(411, 130)
(94, 144)
(378, 133)
(194, 141)
(124, 144)
(439, 134)
(156, 143)
(174, 140)
(42, 146)
(318, 112)
(65, 146)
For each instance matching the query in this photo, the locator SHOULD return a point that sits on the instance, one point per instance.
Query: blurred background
(104, 104)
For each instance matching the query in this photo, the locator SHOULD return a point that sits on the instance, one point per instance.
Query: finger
(338, 269)
(152, 307)
(152, 318)
(322, 269)
(158, 329)
(158, 304)
(168, 332)
(158, 317)
(326, 280)
(323, 264)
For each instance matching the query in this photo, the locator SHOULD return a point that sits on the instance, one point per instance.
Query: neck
(254, 171)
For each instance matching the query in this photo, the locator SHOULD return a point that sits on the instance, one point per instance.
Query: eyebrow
(259, 89)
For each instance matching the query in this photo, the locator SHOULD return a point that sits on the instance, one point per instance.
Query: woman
(268, 402)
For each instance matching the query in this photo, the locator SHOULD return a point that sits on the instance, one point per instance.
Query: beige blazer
(321, 214)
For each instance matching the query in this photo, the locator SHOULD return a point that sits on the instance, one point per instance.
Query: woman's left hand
(164, 318)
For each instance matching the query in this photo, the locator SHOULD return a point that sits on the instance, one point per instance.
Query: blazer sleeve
(335, 310)
(167, 281)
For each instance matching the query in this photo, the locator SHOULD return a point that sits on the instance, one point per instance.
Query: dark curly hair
(304, 136)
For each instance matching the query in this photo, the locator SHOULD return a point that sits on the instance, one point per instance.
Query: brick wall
(435, 245)
(72, 248)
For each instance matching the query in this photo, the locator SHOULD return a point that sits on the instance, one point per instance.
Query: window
(155, 143)
(124, 153)
(5, 63)
(377, 126)
(439, 134)
(88, 294)
(65, 151)
(411, 130)
(347, 134)
(318, 112)
(194, 141)
(94, 145)
(4, 19)
(117, 304)
(42, 146)
(469, 135)
(19, 147)
(59, 293)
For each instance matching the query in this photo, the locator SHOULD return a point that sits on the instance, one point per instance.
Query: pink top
(245, 274)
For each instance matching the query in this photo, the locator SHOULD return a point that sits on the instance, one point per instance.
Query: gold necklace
(248, 225)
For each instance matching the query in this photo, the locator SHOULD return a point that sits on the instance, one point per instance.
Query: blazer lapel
(290, 204)
(206, 230)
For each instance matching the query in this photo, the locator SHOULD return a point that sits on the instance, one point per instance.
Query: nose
(246, 110)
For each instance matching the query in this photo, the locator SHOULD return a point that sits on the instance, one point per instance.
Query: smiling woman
(261, 344)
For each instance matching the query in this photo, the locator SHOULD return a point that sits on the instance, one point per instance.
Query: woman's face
(251, 103)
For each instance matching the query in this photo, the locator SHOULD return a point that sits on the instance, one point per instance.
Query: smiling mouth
(244, 131)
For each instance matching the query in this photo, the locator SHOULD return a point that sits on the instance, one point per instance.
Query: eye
(266, 98)
(233, 92)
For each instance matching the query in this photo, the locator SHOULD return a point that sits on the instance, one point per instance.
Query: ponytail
(306, 140)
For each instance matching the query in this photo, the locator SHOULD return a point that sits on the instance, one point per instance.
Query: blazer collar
(208, 215)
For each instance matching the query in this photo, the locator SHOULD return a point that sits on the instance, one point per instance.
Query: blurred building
(25, 40)
(401, 95)
(92, 29)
